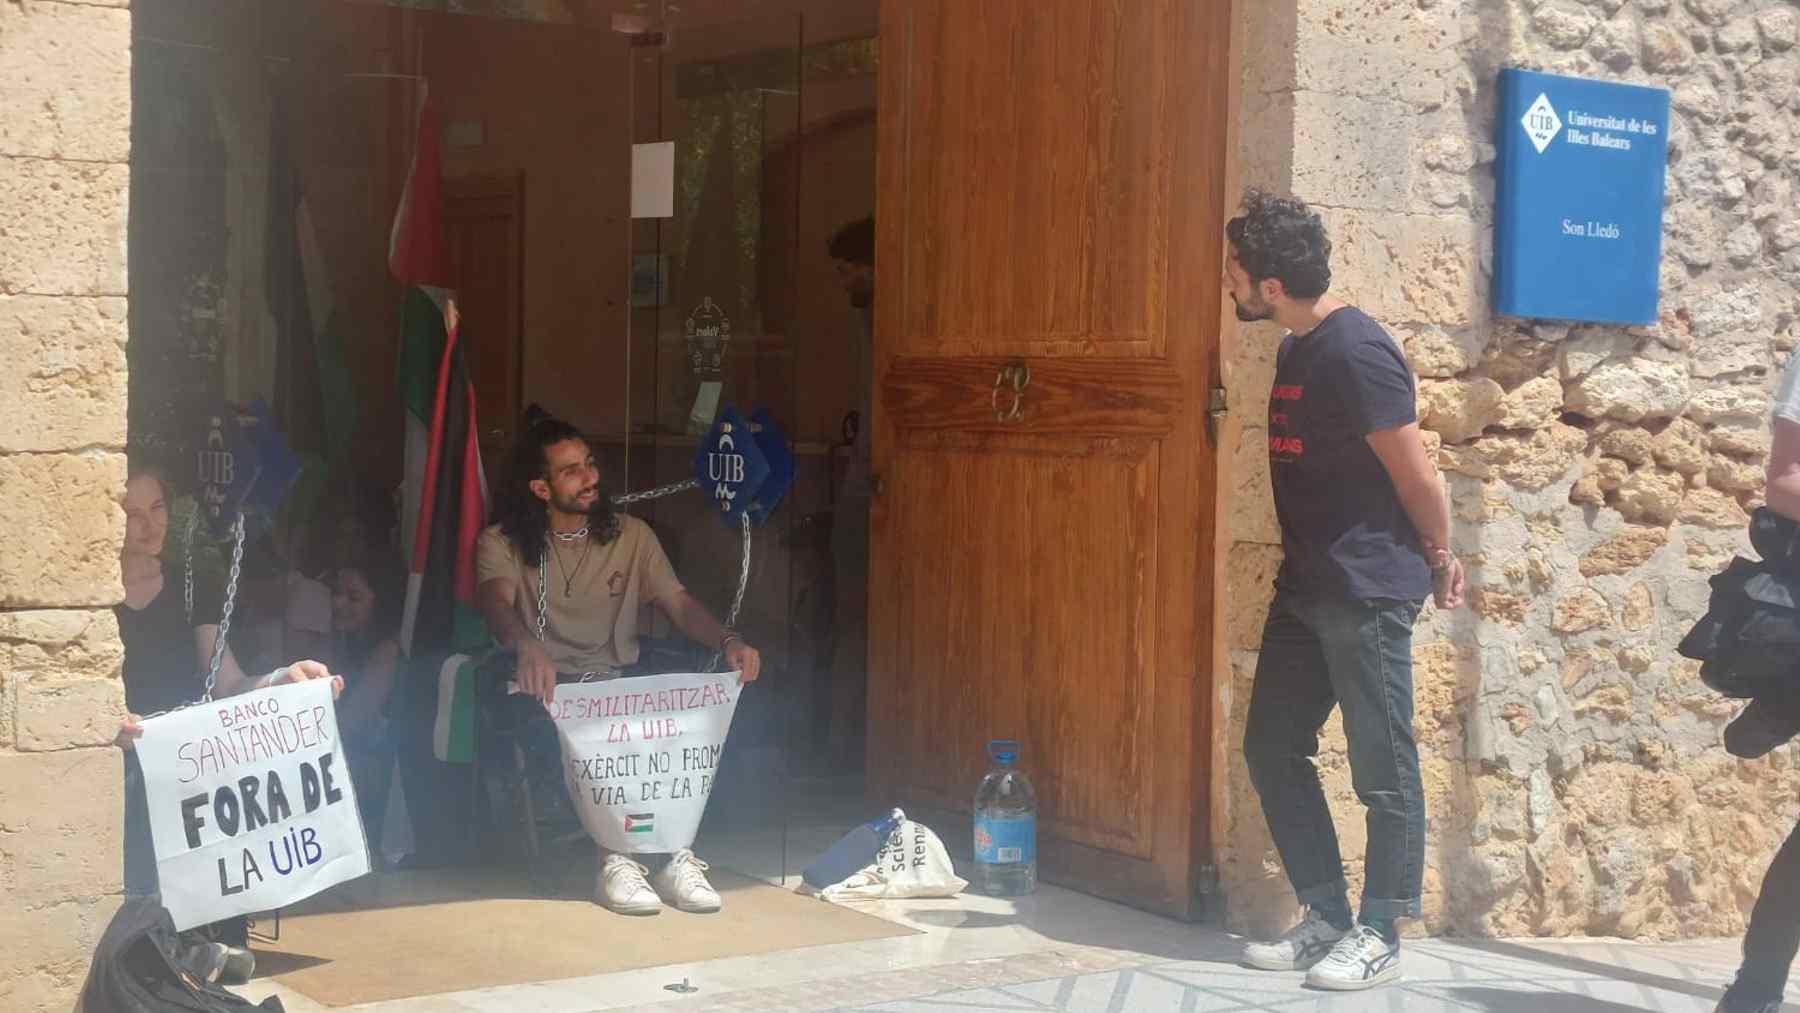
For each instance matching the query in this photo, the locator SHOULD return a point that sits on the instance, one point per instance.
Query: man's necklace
(567, 574)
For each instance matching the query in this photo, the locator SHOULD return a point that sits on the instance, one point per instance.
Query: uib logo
(1541, 123)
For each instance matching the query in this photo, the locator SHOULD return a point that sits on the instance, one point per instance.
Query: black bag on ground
(143, 965)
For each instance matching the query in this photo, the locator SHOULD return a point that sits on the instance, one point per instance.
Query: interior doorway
(272, 141)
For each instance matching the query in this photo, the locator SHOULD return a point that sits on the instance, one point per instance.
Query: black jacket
(1748, 643)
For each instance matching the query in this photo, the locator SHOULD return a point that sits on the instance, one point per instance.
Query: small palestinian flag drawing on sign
(640, 823)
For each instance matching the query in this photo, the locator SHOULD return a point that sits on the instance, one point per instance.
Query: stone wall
(1598, 475)
(65, 134)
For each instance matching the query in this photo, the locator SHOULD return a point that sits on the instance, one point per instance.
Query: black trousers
(1774, 933)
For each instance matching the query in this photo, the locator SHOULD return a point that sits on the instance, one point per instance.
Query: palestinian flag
(445, 495)
(640, 823)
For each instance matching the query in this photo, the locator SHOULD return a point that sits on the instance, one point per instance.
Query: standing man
(1365, 528)
(562, 576)
(1769, 721)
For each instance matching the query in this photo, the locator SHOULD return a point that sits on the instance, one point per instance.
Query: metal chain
(657, 493)
(231, 590)
(187, 562)
(737, 600)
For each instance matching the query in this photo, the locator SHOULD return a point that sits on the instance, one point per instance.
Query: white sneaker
(1360, 960)
(683, 883)
(1298, 949)
(624, 889)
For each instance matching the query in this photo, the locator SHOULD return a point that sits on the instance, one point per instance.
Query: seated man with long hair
(562, 576)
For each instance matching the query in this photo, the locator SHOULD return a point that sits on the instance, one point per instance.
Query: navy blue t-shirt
(1342, 525)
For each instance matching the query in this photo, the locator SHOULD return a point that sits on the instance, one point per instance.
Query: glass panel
(703, 337)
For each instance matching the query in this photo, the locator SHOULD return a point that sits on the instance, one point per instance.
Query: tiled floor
(1059, 950)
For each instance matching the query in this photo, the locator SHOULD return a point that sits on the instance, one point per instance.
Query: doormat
(402, 935)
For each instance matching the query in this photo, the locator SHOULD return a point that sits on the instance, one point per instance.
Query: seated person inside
(561, 577)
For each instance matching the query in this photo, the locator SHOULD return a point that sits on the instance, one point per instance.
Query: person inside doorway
(168, 643)
(366, 601)
(852, 251)
(561, 578)
(1365, 528)
(1773, 935)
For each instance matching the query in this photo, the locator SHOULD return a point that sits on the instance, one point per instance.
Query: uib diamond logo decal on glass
(1541, 123)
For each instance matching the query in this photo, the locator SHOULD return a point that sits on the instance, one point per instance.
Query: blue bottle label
(1005, 840)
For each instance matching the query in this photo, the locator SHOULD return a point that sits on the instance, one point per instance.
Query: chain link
(657, 493)
(231, 590)
(187, 563)
(737, 600)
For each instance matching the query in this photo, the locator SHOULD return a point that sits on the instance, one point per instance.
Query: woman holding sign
(168, 646)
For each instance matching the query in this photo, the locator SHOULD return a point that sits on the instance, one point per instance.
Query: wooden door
(484, 238)
(1052, 189)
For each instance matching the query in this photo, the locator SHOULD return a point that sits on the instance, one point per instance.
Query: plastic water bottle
(853, 852)
(1005, 826)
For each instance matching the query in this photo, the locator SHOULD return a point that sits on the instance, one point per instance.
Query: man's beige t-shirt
(593, 592)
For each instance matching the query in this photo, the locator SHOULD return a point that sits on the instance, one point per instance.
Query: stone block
(1409, 270)
(1582, 611)
(1252, 570)
(60, 545)
(1352, 152)
(1440, 354)
(1710, 508)
(64, 224)
(60, 825)
(1528, 461)
(1458, 410)
(1252, 501)
(1681, 447)
(1631, 390)
(61, 644)
(65, 381)
(1624, 552)
(53, 714)
(65, 81)
(49, 947)
(1649, 496)
(1534, 404)
(1639, 608)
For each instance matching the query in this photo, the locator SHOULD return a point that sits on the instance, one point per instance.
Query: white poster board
(641, 755)
(653, 180)
(251, 805)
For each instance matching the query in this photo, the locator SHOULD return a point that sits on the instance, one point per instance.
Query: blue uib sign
(1579, 198)
(730, 466)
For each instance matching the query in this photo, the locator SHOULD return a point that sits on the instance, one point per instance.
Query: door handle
(1017, 376)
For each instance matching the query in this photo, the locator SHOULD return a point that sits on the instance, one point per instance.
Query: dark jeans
(1317, 654)
(1774, 933)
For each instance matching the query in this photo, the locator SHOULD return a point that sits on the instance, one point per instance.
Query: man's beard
(573, 504)
(1253, 315)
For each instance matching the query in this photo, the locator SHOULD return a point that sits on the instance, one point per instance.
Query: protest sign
(641, 755)
(251, 805)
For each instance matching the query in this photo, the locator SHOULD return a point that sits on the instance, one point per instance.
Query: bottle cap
(1004, 751)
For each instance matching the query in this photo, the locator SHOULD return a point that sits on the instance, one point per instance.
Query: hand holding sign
(251, 805)
(641, 755)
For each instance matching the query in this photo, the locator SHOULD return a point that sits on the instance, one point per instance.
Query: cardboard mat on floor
(401, 935)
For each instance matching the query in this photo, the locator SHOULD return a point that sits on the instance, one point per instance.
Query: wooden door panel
(1048, 193)
(1071, 396)
(1020, 514)
(484, 242)
(1051, 196)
